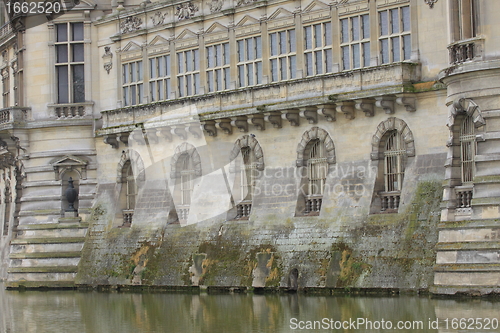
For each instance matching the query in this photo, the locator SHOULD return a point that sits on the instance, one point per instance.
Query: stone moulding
(391, 124)
(253, 144)
(322, 135)
(137, 165)
(189, 149)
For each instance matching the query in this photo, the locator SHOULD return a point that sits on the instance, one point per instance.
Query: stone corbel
(111, 140)
(274, 118)
(225, 125)
(367, 106)
(179, 131)
(386, 103)
(310, 113)
(240, 122)
(166, 133)
(138, 137)
(347, 108)
(194, 130)
(292, 116)
(151, 135)
(328, 111)
(258, 121)
(408, 102)
(124, 137)
(209, 127)
(480, 137)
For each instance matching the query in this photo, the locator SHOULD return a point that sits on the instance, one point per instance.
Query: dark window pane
(62, 32)
(292, 40)
(406, 18)
(62, 53)
(395, 49)
(308, 39)
(345, 30)
(395, 21)
(258, 47)
(77, 31)
(355, 28)
(407, 47)
(328, 33)
(62, 84)
(366, 26)
(78, 84)
(77, 50)
(384, 48)
(384, 24)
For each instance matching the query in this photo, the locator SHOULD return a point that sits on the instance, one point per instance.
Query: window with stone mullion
(188, 77)
(318, 49)
(283, 55)
(218, 72)
(355, 41)
(249, 61)
(159, 78)
(395, 35)
(133, 90)
(70, 63)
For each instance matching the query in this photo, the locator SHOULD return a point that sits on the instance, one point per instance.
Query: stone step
(52, 233)
(47, 240)
(61, 284)
(45, 262)
(45, 248)
(44, 269)
(47, 226)
(22, 277)
(43, 255)
(469, 224)
(492, 245)
(482, 267)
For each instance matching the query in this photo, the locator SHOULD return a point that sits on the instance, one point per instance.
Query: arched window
(247, 183)
(128, 193)
(394, 169)
(467, 140)
(187, 175)
(317, 169)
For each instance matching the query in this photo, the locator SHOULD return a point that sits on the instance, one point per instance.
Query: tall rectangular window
(394, 35)
(133, 90)
(249, 61)
(188, 77)
(159, 78)
(283, 55)
(218, 74)
(70, 63)
(6, 87)
(355, 42)
(318, 48)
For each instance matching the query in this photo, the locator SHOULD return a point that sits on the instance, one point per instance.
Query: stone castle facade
(296, 144)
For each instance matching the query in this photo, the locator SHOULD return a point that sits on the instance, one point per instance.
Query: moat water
(109, 312)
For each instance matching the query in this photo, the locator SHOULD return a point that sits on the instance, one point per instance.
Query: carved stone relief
(431, 2)
(108, 59)
(158, 18)
(186, 11)
(130, 24)
(215, 5)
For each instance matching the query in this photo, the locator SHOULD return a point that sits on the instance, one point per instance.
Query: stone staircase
(46, 254)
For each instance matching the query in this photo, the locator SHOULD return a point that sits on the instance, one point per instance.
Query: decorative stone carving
(108, 59)
(328, 111)
(244, 2)
(215, 6)
(339, 2)
(209, 127)
(111, 140)
(124, 137)
(274, 118)
(241, 123)
(347, 108)
(292, 116)
(130, 24)
(312, 134)
(386, 103)
(158, 18)
(225, 125)
(431, 2)
(408, 102)
(69, 162)
(367, 106)
(469, 107)
(186, 11)
(258, 121)
(13, 65)
(310, 113)
(194, 129)
(391, 124)
(151, 136)
(166, 133)
(5, 73)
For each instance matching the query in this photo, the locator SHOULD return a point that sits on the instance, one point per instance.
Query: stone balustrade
(128, 214)
(389, 200)
(71, 111)
(464, 197)
(13, 114)
(243, 210)
(466, 50)
(313, 204)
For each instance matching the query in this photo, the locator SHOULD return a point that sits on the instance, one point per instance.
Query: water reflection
(93, 312)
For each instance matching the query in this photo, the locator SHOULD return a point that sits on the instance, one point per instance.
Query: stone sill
(469, 224)
(467, 267)
(47, 240)
(45, 255)
(48, 226)
(491, 245)
(46, 269)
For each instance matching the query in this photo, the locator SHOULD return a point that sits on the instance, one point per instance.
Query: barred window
(394, 35)
(130, 186)
(159, 81)
(249, 61)
(467, 150)
(133, 89)
(6, 87)
(465, 17)
(355, 42)
(317, 168)
(318, 48)
(187, 176)
(283, 55)
(248, 174)
(70, 63)
(218, 73)
(394, 160)
(188, 78)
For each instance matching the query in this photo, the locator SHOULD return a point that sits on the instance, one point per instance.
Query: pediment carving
(67, 163)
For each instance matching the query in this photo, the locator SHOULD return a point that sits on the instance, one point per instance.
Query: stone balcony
(11, 116)
(466, 50)
(326, 96)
